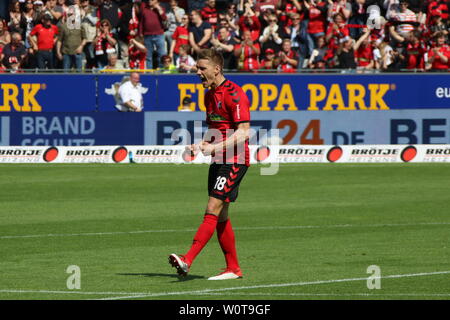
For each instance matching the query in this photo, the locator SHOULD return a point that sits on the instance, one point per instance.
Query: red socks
(225, 234)
(201, 238)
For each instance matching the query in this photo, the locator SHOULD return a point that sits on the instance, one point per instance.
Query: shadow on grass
(174, 276)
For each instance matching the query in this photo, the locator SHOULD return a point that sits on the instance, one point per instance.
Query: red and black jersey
(209, 15)
(415, 55)
(438, 7)
(226, 107)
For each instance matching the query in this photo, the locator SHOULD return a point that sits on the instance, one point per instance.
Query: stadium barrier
(264, 154)
(274, 92)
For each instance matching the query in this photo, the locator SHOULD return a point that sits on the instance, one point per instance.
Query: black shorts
(224, 180)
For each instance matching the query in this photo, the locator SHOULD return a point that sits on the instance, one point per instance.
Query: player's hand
(193, 149)
(207, 148)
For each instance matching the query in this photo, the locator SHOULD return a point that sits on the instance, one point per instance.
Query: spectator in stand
(320, 55)
(247, 53)
(200, 32)
(5, 37)
(104, 42)
(404, 15)
(346, 55)
(179, 37)
(316, 13)
(270, 37)
(71, 41)
(232, 17)
(174, 16)
(340, 6)
(28, 20)
(63, 6)
(137, 53)
(114, 64)
(224, 43)
(56, 12)
(263, 5)
(209, 13)
(185, 63)
(267, 62)
(288, 58)
(43, 39)
(167, 65)
(243, 4)
(223, 23)
(250, 22)
(14, 16)
(413, 50)
(359, 17)
(109, 10)
(151, 27)
(337, 32)
(265, 16)
(14, 53)
(439, 55)
(295, 33)
(88, 26)
(128, 27)
(289, 9)
(383, 56)
(364, 52)
(38, 7)
(437, 25)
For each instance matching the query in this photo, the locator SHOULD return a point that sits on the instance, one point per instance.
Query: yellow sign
(28, 102)
(351, 96)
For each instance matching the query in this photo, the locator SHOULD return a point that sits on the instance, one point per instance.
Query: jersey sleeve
(238, 105)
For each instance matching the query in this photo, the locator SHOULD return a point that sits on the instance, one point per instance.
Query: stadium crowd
(253, 35)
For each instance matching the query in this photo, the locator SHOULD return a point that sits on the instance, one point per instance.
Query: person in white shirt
(131, 95)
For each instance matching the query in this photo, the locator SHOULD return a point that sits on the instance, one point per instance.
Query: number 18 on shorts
(224, 180)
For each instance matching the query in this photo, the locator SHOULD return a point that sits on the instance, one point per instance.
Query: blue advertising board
(71, 129)
(47, 93)
(314, 92)
(158, 128)
(274, 92)
(318, 127)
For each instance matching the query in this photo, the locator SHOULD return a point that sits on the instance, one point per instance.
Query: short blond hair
(212, 55)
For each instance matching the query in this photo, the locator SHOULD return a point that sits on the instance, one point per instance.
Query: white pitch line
(237, 228)
(129, 295)
(66, 292)
(300, 294)
(280, 285)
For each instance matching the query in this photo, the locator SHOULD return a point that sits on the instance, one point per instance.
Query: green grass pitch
(308, 232)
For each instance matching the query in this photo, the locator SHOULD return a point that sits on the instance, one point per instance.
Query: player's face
(207, 71)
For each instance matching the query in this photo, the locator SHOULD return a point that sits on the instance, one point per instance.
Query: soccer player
(228, 119)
